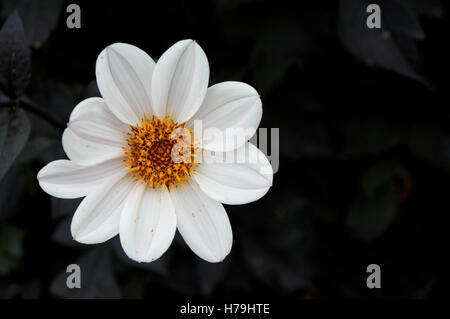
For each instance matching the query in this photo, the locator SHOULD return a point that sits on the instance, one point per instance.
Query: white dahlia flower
(132, 156)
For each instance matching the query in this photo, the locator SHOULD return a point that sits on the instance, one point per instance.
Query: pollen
(161, 153)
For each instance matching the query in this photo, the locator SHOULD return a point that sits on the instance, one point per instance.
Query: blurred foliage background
(364, 126)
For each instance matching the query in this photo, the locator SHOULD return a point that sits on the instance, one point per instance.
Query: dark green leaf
(39, 17)
(370, 218)
(14, 132)
(35, 147)
(28, 290)
(11, 240)
(11, 187)
(15, 56)
(3, 98)
(393, 46)
(377, 177)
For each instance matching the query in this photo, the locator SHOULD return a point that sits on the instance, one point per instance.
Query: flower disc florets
(161, 152)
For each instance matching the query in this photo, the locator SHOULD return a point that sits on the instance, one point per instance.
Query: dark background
(364, 173)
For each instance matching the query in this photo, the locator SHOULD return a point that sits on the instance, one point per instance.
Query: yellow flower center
(161, 153)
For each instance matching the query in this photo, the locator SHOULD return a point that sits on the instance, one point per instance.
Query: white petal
(180, 81)
(203, 223)
(89, 105)
(93, 134)
(232, 108)
(243, 180)
(66, 179)
(97, 218)
(124, 75)
(147, 224)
